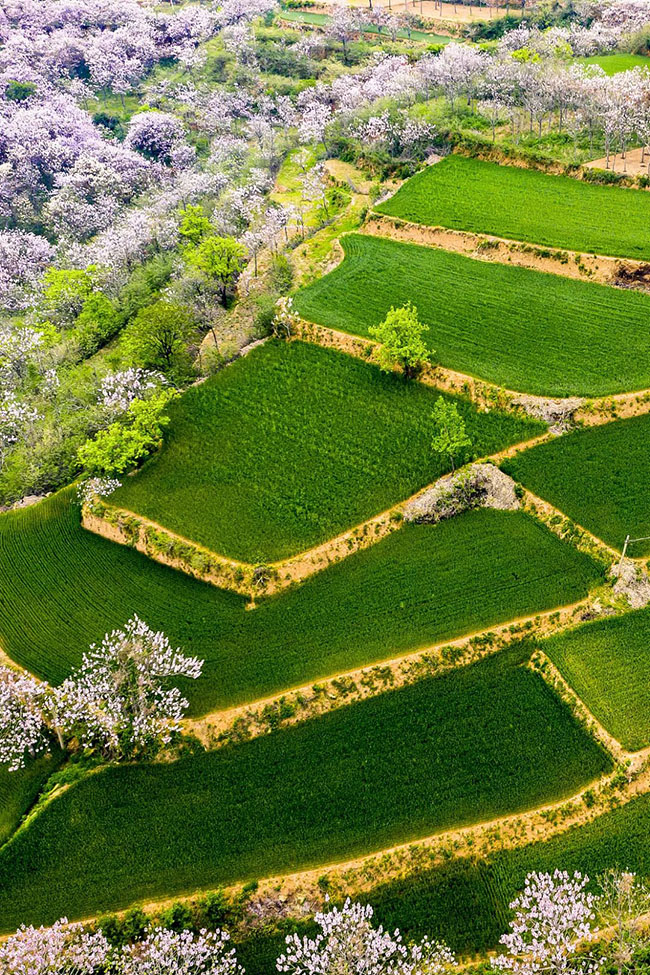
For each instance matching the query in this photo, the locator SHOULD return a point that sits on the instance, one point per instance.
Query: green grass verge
(598, 476)
(19, 790)
(292, 445)
(383, 771)
(526, 330)
(615, 63)
(61, 588)
(321, 20)
(525, 204)
(607, 662)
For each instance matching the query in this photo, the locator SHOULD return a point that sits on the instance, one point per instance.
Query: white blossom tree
(165, 952)
(23, 731)
(61, 949)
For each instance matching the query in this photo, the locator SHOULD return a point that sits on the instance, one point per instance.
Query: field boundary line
(125, 527)
(493, 249)
(264, 715)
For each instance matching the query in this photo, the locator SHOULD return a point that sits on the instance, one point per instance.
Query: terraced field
(521, 329)
(607, 662)
(415, 760)
(19, 790)
(525, 204)
(420, 586)
(293, 445)
(598, 476)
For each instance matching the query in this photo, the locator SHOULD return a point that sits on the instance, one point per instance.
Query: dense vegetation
(416, 760)
(607, 663)
(292, 445)
(597, 476)
(559, 337)
(525, 204)
(419, 586)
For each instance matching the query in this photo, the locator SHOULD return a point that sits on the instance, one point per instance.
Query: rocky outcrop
(474, 486)
(632, 582)
(558, 413)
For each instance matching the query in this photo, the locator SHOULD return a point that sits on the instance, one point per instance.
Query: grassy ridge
(597, 476)
(380, 772)
(607, 662)
(292, 445)
(522, 329)
(61, 588)
(19, 790)
(525, 204)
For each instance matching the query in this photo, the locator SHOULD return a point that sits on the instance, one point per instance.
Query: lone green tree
(194, 224)
(157, 338)
(451, 436)
(219, 259)
(402, 343)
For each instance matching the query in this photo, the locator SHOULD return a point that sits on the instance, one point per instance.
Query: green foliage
(218, 259)
(123, 444)
(292, 445)
(525, 204)
(402, 341)
(555, 337)
(421, 585)
(598, 477)
(19, 91)
(144, 284)
(194, 224)
(64, 293)
(281, 274)
(157, 338)
(413, 761)
(607, 663)
(451, 437)
(96, 323)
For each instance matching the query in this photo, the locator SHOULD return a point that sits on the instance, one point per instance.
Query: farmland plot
(525, 204)
(419, 586)
(295, 444)
(607, 663)
(597, 476)
(522, 329)
(382, 771)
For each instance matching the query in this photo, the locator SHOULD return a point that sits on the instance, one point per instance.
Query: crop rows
(293, 445)
(417, 760)
(419, 586)
(597, 476)
(526, 330)
(525, 204)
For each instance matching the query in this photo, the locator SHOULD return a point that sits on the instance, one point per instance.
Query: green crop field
(597, 476)
(19, 790)
(419, 586)
(522, 329)
(525, 204)
(615, 63)
(416, 760)
(607, 663)
(292, 445)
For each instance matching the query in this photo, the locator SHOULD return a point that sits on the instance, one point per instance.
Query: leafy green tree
(64, 293)
(219, 259)
(194, 224)
(402, 343)
(157, 338)
(451, 437)
(122, 445)
(96, 323)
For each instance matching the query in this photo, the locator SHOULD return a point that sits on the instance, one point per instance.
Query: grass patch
(414, 761)
(525, 204)
(607, 662)
(19, 790)
(65, 587)
(522, 329)
(598, 476)
(615, 63)
(292, 445)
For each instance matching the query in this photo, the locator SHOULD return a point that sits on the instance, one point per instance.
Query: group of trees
(119, 703)
(552, 933)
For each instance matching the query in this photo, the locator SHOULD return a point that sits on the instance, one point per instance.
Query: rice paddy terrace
(531, 683)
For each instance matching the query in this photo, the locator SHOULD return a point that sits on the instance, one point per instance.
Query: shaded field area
(62, 588)
(526, 204)
(19, 790)
(607, 663)
(598, 476)
(526, 330)
(292, 445)
(383, 771)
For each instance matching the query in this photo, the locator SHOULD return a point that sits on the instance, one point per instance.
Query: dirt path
(631, 165)
(499, 250)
